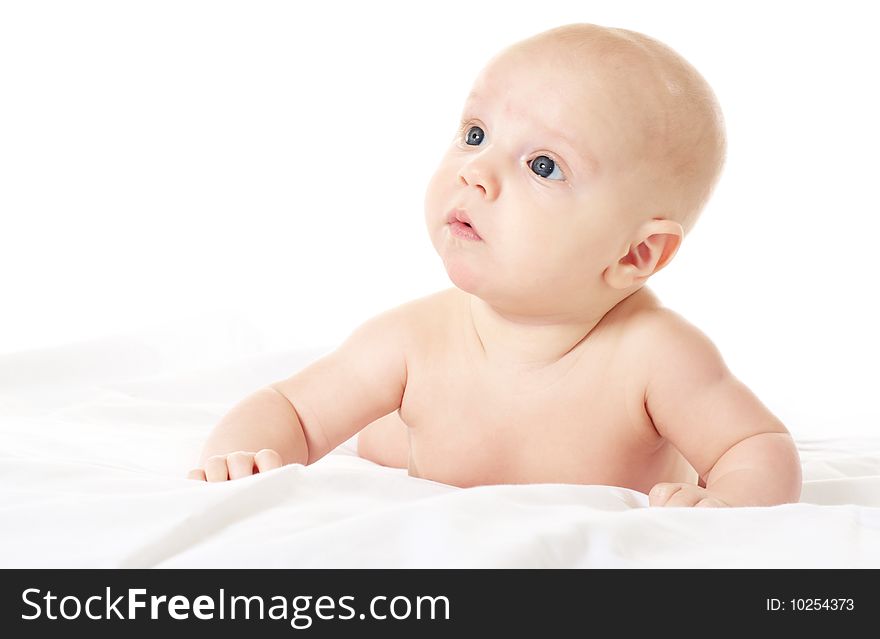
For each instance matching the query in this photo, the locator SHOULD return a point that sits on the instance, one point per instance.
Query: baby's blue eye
(474, 136)
(546, 168)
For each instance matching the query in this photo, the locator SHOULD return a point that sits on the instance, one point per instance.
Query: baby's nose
(477, 175)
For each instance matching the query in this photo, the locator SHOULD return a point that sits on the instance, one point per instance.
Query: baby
(584, 156)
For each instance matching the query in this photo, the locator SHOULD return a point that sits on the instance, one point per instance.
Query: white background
(166, 162)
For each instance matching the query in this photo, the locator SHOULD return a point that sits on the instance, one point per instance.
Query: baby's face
(543, 166)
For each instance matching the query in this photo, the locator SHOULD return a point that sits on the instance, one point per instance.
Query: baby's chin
(476, 272)
(513, 294)
(465, 276)
(487, 284)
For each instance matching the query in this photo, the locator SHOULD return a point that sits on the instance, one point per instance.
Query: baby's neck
(531, 342)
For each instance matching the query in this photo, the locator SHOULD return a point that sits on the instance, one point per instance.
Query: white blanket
(97, 437)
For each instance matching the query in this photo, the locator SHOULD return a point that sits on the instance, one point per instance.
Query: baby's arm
(744, 455)
(302, 418)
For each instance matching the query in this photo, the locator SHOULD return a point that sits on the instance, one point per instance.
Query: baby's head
(584, 156)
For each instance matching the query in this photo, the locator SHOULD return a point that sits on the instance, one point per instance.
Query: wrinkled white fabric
(96, 438)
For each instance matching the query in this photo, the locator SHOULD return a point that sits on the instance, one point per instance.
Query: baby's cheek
(534, 256)
(439, 191)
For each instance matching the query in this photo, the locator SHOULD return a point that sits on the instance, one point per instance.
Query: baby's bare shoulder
(435, 307)
(658, 338)
(420, 319)
(667, 344)
(652, 322)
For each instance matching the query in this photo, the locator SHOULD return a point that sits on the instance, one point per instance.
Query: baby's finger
(240, 464)
(215, 468)
(661, 493)
(197, 474)
(711, 502)
(686, 497)
(267, 459)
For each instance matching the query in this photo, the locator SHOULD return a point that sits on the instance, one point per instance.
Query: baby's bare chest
(581, 422)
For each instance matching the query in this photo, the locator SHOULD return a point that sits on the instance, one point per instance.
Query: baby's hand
(668, 494)
(235, 465)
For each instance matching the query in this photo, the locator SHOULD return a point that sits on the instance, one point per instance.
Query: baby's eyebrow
(588, 158)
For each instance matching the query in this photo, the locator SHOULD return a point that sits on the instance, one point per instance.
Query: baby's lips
(460, 215)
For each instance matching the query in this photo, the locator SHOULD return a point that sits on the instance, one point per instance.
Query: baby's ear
(656, 243)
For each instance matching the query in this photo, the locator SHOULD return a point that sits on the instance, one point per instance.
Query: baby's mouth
(460, 225)
(464, 231)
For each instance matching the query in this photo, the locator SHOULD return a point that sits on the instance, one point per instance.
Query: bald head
(668, 127)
